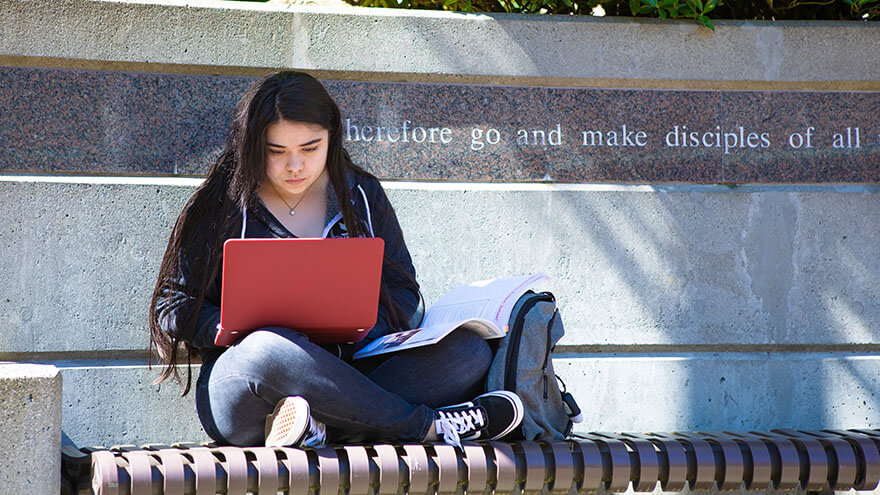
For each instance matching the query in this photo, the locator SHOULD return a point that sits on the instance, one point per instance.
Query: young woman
(285, 173)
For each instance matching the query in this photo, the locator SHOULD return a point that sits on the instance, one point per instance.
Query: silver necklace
(292, 208)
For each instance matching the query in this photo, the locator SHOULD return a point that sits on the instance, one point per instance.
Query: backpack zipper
(549, 344)
(548, 352)
(515, 336)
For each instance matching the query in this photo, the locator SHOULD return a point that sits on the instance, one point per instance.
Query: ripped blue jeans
(390, 397)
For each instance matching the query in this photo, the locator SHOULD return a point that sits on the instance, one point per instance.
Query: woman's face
(296, 156)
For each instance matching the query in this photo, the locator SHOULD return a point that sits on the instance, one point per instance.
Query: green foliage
(702, 11)
(864, 8)
(693, 9)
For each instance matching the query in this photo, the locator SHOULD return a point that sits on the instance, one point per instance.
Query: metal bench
(814, 461)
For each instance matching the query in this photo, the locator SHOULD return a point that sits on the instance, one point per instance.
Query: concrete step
(109, 402)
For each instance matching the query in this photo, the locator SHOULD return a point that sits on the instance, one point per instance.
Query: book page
(425, 336)
(491, 300)
(456, 312)
(483, 307)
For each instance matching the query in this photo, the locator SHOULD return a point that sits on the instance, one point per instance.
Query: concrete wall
(687, 306)
(684, 309)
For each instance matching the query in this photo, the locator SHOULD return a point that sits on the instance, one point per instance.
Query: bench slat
(844, 457)
(389, 469)
(868, 463)
(563, 468)
(358, 468)
(478, 469)
(814, 472)
(647, 473)
(266, 465)
(236, 470)
(419, 469)
(618, 473)
(757, 463)
(535, 469)
(139, 463)
(505, 467)
(173, 482)
(105, 474)
(786, 461)
(591, 465)
(204, 468)
(328, 469)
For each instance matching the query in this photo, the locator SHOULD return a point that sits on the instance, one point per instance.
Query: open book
(482, 307)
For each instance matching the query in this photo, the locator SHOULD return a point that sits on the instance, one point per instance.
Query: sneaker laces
(452, 424)
(315, 436)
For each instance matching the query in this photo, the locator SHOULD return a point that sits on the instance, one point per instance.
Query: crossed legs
(377, 399)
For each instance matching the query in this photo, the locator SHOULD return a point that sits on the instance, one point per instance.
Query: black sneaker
(488, 417)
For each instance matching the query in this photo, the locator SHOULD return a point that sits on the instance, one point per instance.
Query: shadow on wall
(715, 269)
(701, 271)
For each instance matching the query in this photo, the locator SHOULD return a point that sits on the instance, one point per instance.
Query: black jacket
(174, 307)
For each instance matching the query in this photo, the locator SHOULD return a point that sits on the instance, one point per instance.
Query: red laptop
(327, 289)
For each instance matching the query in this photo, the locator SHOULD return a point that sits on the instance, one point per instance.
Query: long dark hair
(213, 213)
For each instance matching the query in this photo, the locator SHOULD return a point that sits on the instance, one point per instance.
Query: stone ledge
(212, 33)
(30, 419)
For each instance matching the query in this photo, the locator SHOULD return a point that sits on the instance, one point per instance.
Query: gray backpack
(523, 364)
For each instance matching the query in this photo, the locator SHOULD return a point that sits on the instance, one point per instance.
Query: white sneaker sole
(287, 423)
